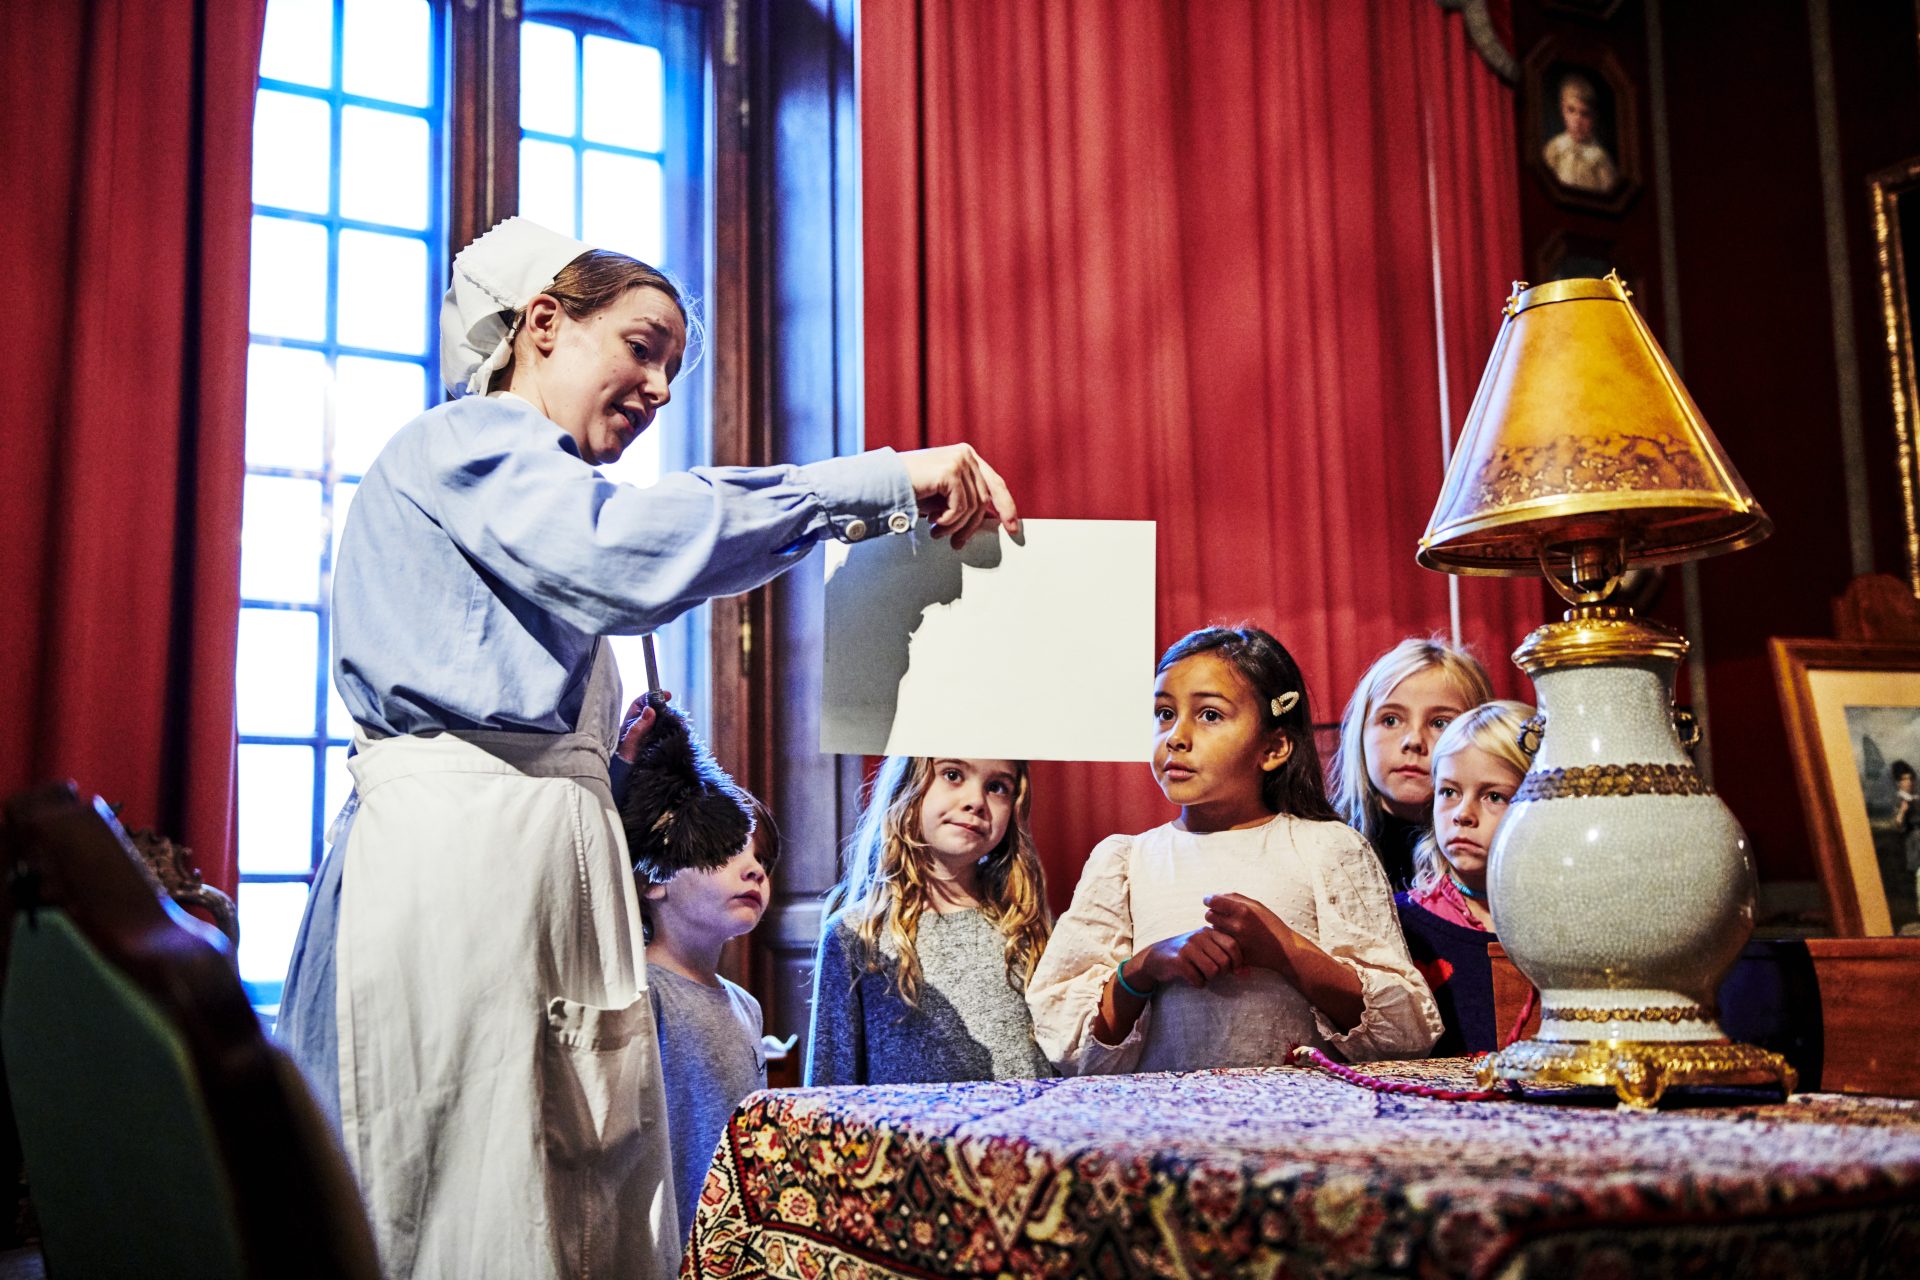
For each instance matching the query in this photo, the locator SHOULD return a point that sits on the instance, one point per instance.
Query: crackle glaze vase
(1620, 884)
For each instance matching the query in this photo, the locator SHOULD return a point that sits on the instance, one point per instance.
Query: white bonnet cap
(493, 278)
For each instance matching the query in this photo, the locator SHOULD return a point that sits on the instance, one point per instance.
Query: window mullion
(323, 407)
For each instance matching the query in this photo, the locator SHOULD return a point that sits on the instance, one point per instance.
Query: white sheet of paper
(1037, 650)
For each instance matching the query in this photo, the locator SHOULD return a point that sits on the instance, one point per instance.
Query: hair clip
(1285, 702)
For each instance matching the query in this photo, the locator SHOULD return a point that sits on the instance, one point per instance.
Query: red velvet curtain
(1232, 267)
(126, 138)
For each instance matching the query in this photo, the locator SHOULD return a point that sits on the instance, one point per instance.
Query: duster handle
(653, 663)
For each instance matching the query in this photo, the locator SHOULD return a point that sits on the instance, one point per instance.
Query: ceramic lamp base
(1638, 1071)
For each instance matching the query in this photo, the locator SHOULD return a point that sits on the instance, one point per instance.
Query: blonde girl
(1255, 921)
(1448, 921)
(1381, 778)
(932, 932)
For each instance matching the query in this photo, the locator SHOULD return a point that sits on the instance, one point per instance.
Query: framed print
(1853, 726)
(1581, 115)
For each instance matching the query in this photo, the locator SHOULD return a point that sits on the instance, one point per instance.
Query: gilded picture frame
(1894, 200)
(1852, 714)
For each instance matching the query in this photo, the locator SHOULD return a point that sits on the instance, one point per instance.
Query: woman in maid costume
(469, 987)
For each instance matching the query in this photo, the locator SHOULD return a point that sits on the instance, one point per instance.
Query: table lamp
(1620, 884)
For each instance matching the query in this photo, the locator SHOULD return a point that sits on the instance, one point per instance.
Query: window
(353, 147)
(347, 240)
(610, 147)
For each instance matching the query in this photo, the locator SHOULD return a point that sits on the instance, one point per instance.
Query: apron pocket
(595, 1066)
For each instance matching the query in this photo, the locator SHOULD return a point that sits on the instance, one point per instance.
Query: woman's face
(604, 377)
(1399, 739)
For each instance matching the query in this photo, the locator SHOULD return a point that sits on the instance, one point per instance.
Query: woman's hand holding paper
(959, 492)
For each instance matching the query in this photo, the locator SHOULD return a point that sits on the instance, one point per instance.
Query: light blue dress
(482, 560)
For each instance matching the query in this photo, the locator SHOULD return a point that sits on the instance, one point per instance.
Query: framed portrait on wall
(1581, 113)
(1853, 725)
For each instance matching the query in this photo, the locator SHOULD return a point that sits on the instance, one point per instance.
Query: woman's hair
(1900, 768)
(885, 887)
(600, 277)
(1495, 728)
(1297, 787)
(1354, 795)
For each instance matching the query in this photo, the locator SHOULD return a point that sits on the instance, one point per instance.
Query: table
(1289, 1172)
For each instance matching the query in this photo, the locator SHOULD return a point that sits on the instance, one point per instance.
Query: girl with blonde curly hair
(933, 931)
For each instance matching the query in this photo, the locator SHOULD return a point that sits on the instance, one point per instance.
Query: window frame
(474, 131)
(678, 28)
(321, 741)
(483, 188)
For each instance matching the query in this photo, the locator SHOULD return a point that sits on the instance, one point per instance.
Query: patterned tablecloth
(1292, 1173)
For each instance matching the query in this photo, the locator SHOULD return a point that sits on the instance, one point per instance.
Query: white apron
(500, 1089)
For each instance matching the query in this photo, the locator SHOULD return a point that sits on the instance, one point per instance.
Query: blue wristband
(1120, 976)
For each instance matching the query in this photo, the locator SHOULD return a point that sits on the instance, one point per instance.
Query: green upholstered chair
(162, 1133)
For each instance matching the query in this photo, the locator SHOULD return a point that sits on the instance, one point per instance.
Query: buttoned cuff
(865, 495)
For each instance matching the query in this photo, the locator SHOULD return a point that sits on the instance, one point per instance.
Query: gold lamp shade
(1581, 435)
(1619, 883)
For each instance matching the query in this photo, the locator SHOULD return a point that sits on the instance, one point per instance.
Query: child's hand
(1195, 958)
(636, 725)
(1262, 935)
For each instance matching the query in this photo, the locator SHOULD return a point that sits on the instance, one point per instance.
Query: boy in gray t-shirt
(682, 814)
(711, 1059)
(710, 1048)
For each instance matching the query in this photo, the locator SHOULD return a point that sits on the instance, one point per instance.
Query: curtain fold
(127, 130)
(1232, 267)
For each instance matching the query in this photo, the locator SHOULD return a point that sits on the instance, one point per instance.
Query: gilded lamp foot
(1639, 1071)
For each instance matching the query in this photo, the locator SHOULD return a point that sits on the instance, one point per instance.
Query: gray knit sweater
(971, 1024)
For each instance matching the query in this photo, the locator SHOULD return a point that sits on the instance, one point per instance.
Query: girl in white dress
(1254, 922)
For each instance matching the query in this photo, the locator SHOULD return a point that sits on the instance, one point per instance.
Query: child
(1575, 155)
(1477, 765)
(1381, 779)
(931, 933)
(711, 1056)
(1255, 922)
(1906, 826)
(678, 808)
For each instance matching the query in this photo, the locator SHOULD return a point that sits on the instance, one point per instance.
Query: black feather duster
(679, 807)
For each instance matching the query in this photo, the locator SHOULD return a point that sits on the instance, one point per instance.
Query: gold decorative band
(1639, 1072)
(1612, 780)
(1660, 1013)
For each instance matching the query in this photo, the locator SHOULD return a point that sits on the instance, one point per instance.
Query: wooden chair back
(163, 1134)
